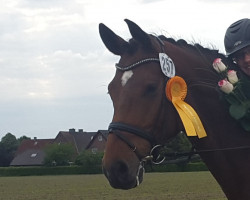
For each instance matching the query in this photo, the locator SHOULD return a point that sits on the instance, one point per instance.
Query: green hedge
(94, 169)
(38, 171)
(190, 167)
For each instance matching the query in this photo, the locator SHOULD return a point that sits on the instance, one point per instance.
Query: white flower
(232, 76)
(218, 65)
(226, 86)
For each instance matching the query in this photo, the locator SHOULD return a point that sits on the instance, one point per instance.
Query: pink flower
(226, 86)
(218, 65)
(232, 76)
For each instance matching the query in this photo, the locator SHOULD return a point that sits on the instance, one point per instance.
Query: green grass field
(173, 186)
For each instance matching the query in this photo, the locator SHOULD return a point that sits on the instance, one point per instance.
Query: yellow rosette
(176, 91)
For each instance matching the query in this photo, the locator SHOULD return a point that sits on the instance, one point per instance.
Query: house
(97, 144)
(31, 152)
(79, 139)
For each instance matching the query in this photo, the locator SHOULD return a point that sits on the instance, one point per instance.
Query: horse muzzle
(121, 177)
(125, 173)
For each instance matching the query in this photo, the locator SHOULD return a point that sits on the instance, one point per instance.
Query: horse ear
(113, 42)
(138, 34)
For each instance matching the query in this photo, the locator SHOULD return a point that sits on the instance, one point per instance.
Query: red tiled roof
(33, 144)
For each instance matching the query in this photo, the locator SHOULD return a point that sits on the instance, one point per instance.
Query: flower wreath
(236, 92)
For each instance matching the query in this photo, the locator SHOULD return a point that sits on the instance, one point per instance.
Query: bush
(95, 169)
(88, 159)
(59, 154)
(38, 171)
(190, 167)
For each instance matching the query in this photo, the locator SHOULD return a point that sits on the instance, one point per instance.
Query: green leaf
(237, 111)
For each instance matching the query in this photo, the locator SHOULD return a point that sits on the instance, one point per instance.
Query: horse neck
(229, 167)
(223, 134)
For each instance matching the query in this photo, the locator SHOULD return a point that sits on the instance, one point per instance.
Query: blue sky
(54, 69)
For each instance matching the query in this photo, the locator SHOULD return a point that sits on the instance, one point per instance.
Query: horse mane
(181, 43)
(195, 46)
(202, 51)
(208, 54)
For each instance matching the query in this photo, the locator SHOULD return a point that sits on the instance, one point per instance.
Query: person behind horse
(237, 44)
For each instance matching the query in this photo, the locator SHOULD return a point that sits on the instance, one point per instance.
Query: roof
(29, 157)
(33, 144)
(31, 152)
(79, 139)
(104, 133)
(98, 142)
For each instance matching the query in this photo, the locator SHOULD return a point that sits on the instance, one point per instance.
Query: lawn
(173, 186)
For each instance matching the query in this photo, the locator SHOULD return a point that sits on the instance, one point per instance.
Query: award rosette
(176, 91)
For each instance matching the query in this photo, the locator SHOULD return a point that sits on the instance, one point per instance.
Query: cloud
(54, 68)
(222, 1)
(150, 1)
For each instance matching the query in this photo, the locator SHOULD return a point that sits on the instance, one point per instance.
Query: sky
(54, 68)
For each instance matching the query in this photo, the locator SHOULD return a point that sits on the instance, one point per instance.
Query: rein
(162, 156)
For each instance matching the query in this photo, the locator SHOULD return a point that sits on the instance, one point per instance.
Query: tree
(8, 147)
(59, 154)
(23, 138)
(180, 143)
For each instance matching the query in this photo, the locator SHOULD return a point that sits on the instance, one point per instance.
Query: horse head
(140, 105)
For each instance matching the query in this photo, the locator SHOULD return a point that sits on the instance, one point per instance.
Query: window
(33, 155)
(94, 150)
(99, 138)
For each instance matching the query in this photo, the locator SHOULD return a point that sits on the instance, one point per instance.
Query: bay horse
(143, 116)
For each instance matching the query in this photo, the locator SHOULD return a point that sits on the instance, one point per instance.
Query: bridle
(116, 127)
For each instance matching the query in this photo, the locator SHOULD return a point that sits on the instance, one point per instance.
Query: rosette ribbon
(176, 91)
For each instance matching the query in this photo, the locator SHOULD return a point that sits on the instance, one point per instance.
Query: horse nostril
(120, 169)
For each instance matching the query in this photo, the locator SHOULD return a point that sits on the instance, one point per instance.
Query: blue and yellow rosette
(176, 91)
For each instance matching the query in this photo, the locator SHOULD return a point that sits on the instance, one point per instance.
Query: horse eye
(150, 89)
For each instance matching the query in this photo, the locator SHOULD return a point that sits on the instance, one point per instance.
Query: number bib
(167, 65)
